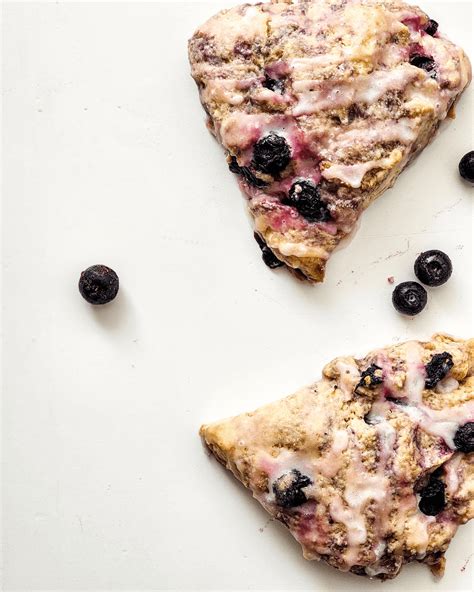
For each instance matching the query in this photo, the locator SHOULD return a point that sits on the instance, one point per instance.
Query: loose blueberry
(433, 268)
(426, 63)
(305, 197)
(98, 284)
(271, 154)
(432, 500)
(431, 27)
(370, 377)
(246, 173)
(464, 437)
(409, 298)
(268, 255)
(277, 86)
(437, 368)
(466, 167)
(288, 489)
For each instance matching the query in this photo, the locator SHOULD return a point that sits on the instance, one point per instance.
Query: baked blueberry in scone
(371, 467)
(320, 105)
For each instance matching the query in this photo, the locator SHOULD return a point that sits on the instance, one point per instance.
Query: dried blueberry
(437, 368)
(426, 63)
(271, 154)
(431, 27)
(246, 173)
(277, 86)
(288, 489)
(259, 239)
(268, 256)
(464, 437)
(432, 498)
(234, 166)
(409, 298)
(305, 197)
(99, 284)
(270, 259)
(370, 377)
(466, 167)
(433, 268)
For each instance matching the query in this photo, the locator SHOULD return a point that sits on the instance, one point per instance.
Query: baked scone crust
(352, 108)
(367, 452)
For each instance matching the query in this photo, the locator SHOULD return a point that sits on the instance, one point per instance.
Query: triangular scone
(368, 468)
(319, 106)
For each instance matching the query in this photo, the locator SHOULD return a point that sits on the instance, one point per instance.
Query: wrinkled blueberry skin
(98, 284)
(268, 255)
(432, 27)
(246, 173)
(271, 154)
(288, 489)
(305, 197)
(432, 500)
(270, 259)
(433, 268)
(437, 368)
(409, 298)
(370, 377)
(464, 437)
(466, 167)
(426, 63)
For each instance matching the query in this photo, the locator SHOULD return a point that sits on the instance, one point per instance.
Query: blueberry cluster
(271, 156)
(433, 268)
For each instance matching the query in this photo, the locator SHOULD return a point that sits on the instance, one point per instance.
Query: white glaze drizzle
(330, 463)
(401, 131)
(451, 469)
(353, 174)
(314, 96)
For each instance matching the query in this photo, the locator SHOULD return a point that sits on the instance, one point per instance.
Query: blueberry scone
(372, 466)
(320, 105)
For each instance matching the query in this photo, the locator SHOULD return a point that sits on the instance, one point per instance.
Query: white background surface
(107, 160)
